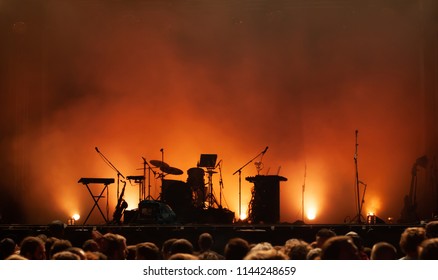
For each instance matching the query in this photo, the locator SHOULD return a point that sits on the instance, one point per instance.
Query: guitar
(120, 207)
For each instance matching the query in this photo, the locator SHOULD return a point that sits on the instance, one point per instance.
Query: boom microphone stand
(240, 178)
(359, 201)
(113, 167)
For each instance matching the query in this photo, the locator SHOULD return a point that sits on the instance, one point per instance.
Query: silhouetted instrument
(159, 163)
(105, 181)
(171, 170)
(135, 178)
(121, 206)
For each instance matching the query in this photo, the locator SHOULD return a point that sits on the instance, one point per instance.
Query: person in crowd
(432, 229)
(130, 252)
(113, 246)
(32, 248)
(48, 245)
(358, 241)
(296, 249)
(410, 240)
(65, 255)
(383, 251)
(166, 248)
(266, 254)
(236, 249)
(339, 248)
(7, 247)
(58, 246)
(428, 249)
(147, 251)
(314, 254)
(205, 243)
(182, 245)
(95, 256)
(183, 256)
(321, 236)
(56, 229)
(90, 245)
(78, 251)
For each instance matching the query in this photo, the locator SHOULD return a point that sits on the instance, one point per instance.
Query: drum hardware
(196, 182)
(149, 168)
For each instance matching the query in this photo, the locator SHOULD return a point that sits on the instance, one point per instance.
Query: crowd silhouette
(415, 243)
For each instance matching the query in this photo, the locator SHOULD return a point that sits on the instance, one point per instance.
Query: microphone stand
(358, 217)
(149, 197)
(113, 167)
(221, 184)
(240, 179)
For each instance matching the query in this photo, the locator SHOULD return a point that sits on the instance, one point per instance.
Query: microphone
(265, 150)
(161, 150)
(97, 150)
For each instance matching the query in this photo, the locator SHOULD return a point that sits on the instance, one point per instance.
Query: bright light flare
(311, 214)
(76, 217)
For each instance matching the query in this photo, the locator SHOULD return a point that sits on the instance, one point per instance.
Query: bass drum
(196, 182)
(178, 196)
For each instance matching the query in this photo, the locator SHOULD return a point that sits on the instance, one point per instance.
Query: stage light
(71, 221)
(243, 216)
(311, 214)
(371, 218)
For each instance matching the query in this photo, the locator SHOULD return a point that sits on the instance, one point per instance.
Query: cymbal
(159, 163)
(171, 170)
(211, 171)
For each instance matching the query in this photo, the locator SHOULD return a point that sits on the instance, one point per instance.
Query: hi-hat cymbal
(159, 163)
(171, 170)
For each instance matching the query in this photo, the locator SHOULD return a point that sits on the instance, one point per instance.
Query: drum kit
(173, 191)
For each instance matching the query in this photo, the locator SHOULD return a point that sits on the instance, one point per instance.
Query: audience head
(339, 248)
(166, 248)
(114, 246)
(205, 242)
(65, 255)
(432, 229)
(429, 249)
(183, 256)
(32, 248)
(296, 249)
(90, 245)
(59, 245)
(147, 251)
(383, 251)
(266, 254)
(322, 235)
(236, 249)
(7, 248)
(181, 245)
(410, 240)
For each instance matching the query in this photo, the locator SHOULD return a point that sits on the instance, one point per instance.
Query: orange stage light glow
(143, 81)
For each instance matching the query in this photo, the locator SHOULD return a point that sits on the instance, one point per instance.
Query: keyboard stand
(96, 198)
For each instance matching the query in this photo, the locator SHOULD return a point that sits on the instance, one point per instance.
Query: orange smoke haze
(217, 77)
